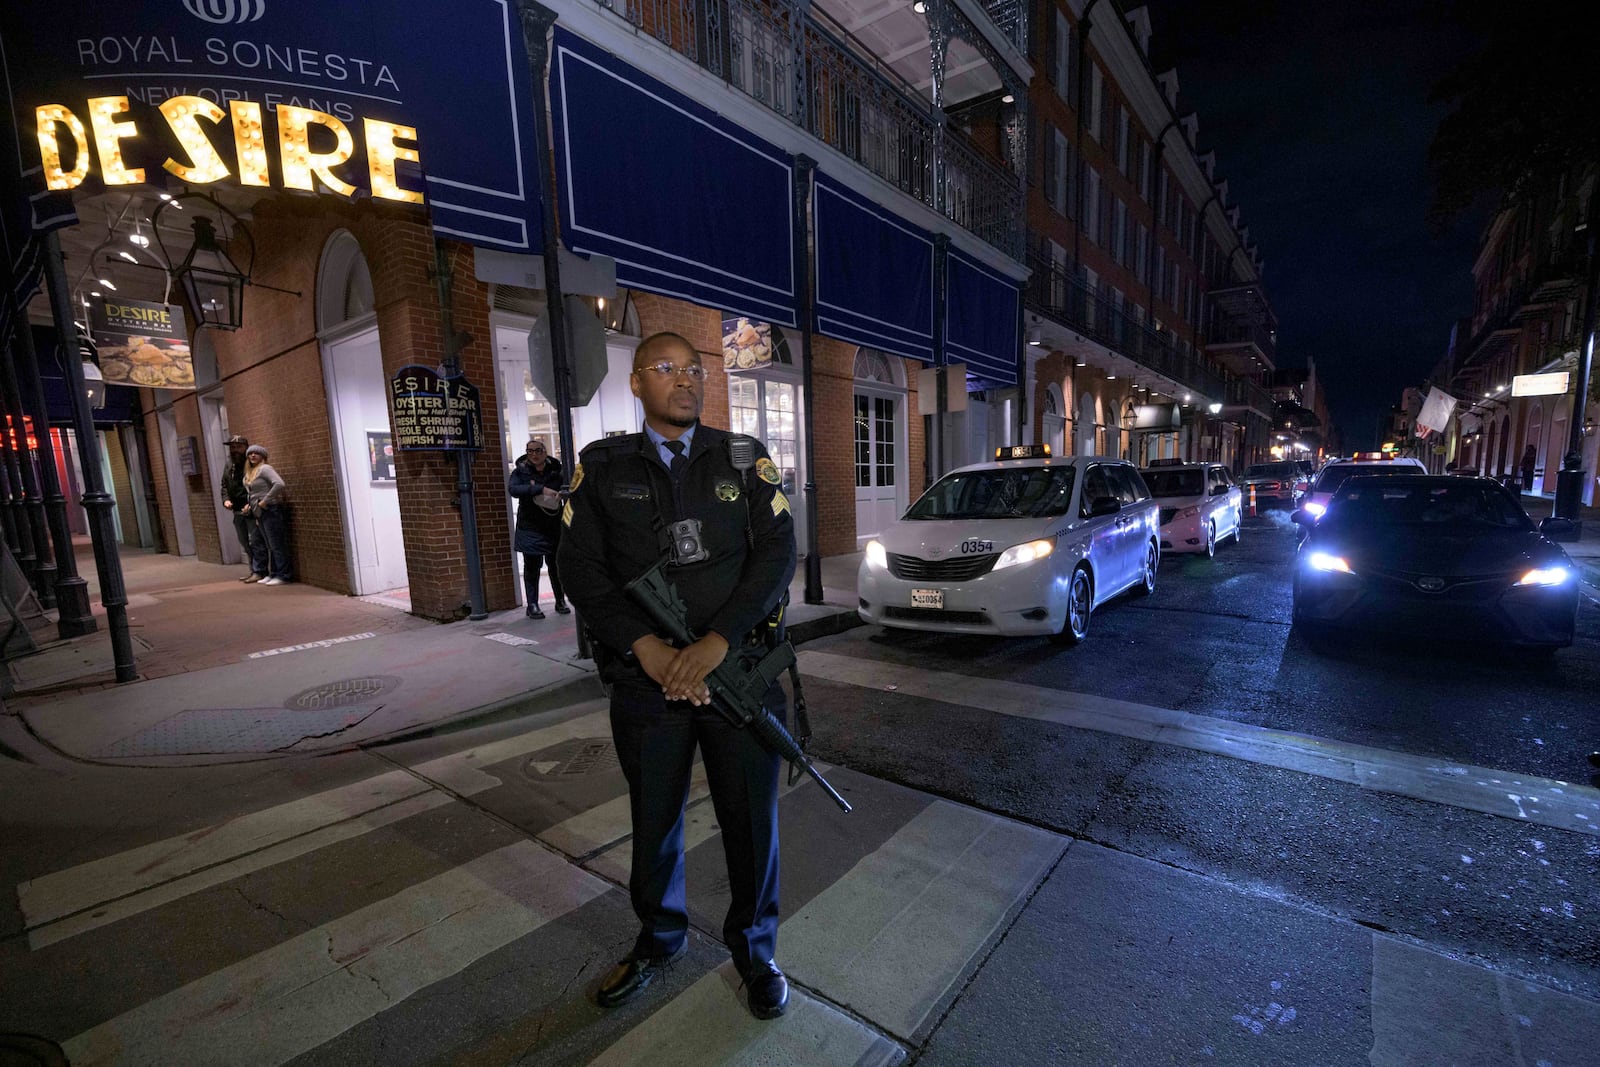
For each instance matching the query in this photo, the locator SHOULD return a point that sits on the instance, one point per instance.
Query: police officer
(630, 497)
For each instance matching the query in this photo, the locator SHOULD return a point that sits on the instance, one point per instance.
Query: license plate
(927, 598)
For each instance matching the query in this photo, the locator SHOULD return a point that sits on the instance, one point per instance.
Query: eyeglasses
(672, 370)
(536, 448)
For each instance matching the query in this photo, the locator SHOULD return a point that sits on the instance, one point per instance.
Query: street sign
(1552, 384)
(432, 412)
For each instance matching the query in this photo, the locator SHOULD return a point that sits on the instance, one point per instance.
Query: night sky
(1319, 116)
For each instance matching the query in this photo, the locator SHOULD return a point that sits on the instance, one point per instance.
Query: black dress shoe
(535, 613)
(562, 609)
(628, 978)
(766, 990)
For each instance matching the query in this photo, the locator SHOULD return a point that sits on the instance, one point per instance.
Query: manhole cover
(343, 693)
(572, 759)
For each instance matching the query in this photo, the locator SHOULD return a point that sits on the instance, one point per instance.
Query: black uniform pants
(656, 741)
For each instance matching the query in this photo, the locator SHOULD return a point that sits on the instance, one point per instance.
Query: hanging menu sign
(432, 412)
(142, 343)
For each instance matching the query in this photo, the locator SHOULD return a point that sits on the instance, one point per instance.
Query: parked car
(1020, 546)
(1200, 505)
(1273, 483)
(1434, 555)
(1364, 463)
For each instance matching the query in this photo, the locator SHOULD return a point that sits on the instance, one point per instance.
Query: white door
(214, 431)
(767, 408)
(1084, 426)
(357, 397)
(177, 482)
(878, 454)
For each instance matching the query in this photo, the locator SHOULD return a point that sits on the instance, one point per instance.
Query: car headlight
(876, 556)
(1324, 561)
(1026, 552)
(1313, 509)
(1188, 513)
(1546, 576)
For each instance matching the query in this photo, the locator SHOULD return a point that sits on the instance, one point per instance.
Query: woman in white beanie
(268, 496)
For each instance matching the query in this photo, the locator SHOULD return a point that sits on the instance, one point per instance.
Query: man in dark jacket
(236, 498)
(626, 494)
(536, 482)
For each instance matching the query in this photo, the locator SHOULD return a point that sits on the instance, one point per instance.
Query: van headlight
(876, 556)
(1026, 552)
(1313, 509)
(1327, 562)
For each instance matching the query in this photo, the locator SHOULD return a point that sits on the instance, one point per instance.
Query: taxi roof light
(1022, 452)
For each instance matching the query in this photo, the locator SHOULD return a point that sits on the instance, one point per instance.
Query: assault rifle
(738, 687)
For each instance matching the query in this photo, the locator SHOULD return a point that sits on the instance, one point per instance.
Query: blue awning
(980, 326)
(689, 204)
(874, 274)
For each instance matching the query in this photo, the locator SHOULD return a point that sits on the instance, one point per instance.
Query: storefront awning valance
(689, 204)
(312, 89)
(980, 327)
(874, 274)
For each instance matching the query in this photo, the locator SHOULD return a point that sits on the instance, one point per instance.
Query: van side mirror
(1299, 517)
(1104, 505)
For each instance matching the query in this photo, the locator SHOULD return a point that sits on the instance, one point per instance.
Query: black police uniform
(622, 499)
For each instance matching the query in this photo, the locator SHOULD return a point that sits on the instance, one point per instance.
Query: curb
(582, 687)
(836, 622)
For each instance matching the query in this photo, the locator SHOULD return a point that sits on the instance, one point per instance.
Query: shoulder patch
(767, 471)
(577, 478)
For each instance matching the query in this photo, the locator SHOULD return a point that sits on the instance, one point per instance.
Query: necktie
(678, 461)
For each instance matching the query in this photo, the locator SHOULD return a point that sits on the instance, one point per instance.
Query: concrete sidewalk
(233, 672)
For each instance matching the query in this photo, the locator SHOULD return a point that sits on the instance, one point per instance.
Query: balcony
(812, 69)
(1242, 334)
(1054, 292)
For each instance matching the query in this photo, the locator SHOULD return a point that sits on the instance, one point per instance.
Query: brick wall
(273, 385)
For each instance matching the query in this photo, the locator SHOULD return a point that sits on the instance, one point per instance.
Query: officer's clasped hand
(686, 677)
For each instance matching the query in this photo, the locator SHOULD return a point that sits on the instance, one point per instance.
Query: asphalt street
(1215, 639)
(1095, 855)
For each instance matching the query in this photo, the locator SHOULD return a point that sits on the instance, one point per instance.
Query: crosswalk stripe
(1544, 801)
(699, 826)
(890, 937)
(155, 874)
(77, 888)
(293, 997)
(707, 1025)
(125, 907)
(605, 824)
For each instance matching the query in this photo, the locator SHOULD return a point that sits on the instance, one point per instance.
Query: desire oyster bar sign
(297, 95)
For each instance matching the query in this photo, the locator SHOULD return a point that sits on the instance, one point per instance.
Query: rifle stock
(738, 690)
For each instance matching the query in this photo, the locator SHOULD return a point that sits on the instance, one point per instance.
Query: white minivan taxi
(1024, 545)
(1200, 505)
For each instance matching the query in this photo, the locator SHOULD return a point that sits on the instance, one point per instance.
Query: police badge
(727, 492)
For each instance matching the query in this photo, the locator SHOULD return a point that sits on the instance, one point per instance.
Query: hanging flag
(1436, 410)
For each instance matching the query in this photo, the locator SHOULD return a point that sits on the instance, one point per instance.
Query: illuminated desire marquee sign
(398, 101)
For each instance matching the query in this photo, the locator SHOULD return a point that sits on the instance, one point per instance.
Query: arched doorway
(358, 413)
(1558, 443)
(1535, 437)
(1084, 431)
(215, 433)
(1505, 445)
(765, 402)
(880, 434)
(1054, 424)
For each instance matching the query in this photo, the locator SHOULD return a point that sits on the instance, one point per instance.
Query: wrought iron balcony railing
(790, 60)
(1226, 330)
(1054, 291)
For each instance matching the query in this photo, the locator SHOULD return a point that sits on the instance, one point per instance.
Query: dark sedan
(1434, 556)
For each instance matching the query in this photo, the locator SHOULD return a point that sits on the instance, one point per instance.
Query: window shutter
(1052, 41)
